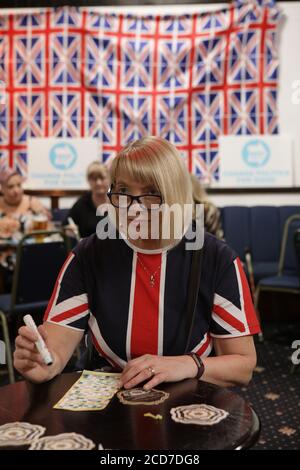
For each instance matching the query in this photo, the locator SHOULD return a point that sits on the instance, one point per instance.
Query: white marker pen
(40, 343)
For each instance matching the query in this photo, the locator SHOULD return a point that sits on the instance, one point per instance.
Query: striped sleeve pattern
(233, 312)
(68, 305)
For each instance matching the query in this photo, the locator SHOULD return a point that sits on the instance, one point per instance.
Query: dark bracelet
(199, 364)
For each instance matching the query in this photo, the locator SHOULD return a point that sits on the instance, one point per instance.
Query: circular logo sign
(63, 156)
(256, 153)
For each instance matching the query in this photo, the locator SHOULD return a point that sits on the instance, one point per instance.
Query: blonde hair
(155, 161)
(199, 193)
(97, 168)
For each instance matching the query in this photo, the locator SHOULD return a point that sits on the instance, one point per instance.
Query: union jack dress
(104, 287)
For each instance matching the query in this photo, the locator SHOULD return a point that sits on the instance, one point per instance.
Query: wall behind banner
(289, 90)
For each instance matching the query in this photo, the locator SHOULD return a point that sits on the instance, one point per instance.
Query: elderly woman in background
(16, 214)
(83, 213)
(16, 208)
(212, 217)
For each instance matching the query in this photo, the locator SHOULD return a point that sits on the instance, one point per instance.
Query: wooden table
(125, 427)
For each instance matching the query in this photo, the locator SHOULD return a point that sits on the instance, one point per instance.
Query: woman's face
(136, 214)
(99, 184)
(12, 190)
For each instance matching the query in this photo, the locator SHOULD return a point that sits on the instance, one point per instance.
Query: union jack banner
(76, 72)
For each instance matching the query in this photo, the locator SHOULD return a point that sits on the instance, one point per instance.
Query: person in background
(16, 208)
(83, 213)
(16, 214)
(212, 216)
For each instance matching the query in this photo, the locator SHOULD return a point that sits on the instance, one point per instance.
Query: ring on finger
(151, 370)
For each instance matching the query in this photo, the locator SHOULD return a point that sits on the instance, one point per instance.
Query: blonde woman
(131, 292)
(83, 213)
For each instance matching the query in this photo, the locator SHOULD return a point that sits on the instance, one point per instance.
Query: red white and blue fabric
(73, 72)
(104, 287)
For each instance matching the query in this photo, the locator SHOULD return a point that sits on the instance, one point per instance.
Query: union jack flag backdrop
(72, 72)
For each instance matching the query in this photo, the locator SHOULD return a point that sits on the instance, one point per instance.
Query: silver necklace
(151, 276)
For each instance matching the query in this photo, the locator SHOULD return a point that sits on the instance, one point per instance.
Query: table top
(122, 426)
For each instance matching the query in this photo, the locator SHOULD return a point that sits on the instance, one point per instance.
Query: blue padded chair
(297, 248)
(257, 231)
(59, 215)
(236, 226)
(37, 267)
(287, 279)
(265, 241)
(297, 251)
(286, 212)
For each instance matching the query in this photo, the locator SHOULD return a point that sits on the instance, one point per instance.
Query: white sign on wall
(256, 161)
(57, 163)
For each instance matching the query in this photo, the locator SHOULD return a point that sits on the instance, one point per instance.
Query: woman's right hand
(27, 359)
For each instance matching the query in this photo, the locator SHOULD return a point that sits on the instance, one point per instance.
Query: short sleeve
(233, 312)
(68, 305)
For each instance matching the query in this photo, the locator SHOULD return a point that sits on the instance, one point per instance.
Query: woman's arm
(37, 207)
(61, 342)
(234, 362)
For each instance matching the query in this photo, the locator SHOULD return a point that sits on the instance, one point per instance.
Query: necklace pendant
(152, 281)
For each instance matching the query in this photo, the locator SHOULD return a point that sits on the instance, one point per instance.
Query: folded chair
(297, 251)
(287, 279)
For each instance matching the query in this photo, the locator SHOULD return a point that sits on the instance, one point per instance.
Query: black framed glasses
(124, 201)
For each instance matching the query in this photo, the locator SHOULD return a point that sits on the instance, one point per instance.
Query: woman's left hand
(8, 226)
(157, 369)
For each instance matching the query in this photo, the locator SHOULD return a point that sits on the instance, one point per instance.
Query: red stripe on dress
(53, 296)
(249, 309)
(204, 347)
(102, 353)
(145, 312)
(228, 318)
(70, 313)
